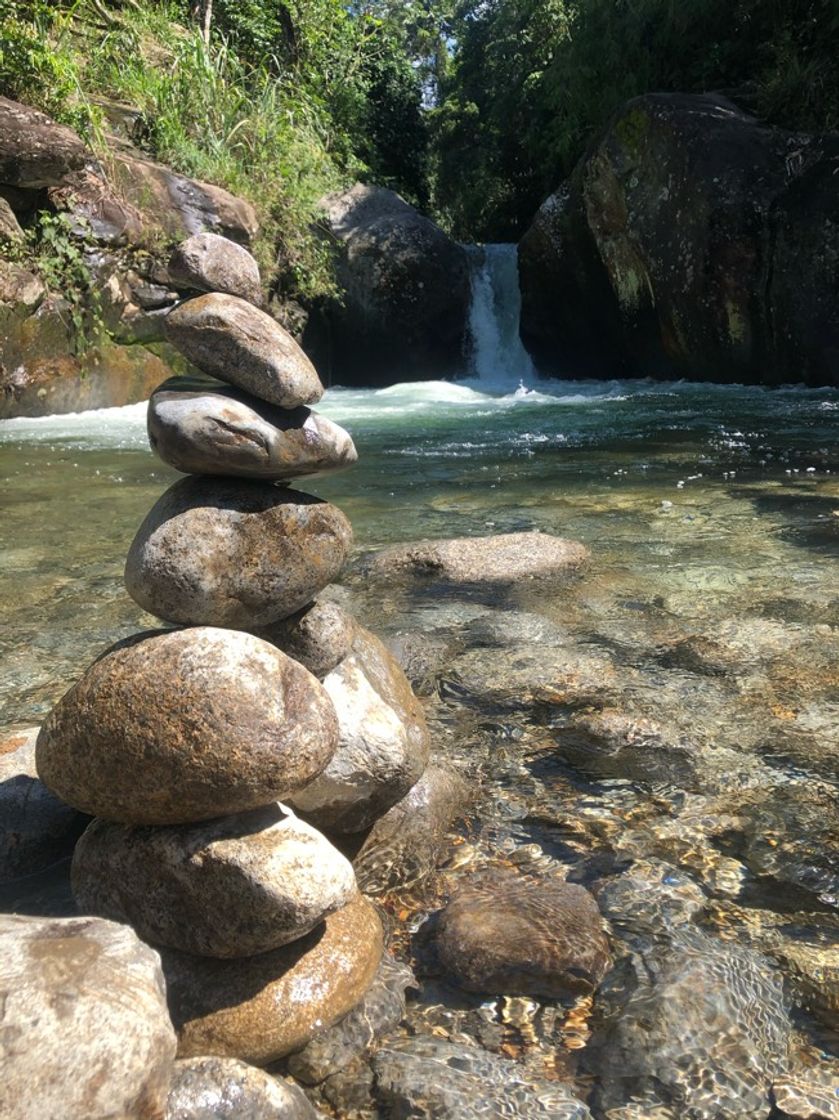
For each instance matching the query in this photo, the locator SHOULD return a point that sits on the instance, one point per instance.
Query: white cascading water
(497, 355)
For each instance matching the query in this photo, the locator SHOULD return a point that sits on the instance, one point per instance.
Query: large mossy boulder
(404, 293)
(674, 250)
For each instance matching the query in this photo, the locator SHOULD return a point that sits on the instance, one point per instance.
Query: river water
(709, 616)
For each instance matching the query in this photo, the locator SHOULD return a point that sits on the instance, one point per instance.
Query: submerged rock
(403, 846)
(227, 1089)
(85, 1030)
(201, 427)
(505, 559)
(234, 553)
(611, 743)
(319, 636)
(380, 1011)
(231, 339)
(168, 728)
(383, 741)
(231, 887)
(425, 1076)
(36, 827)
(510, 935)
(262, 1008)
(703, 1029)
(210, 263)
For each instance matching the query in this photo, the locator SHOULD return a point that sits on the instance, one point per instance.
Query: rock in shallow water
(180, 726)
(230, 339)
(425, 1077)
(232, 887)
(219, 552)
(318, 637)
(36, 827)
(261, 1008)
(211, 263)
(201, 427)
(227, 1089)
(383, 747)
(504, 559)
(84, 1030)
(510, 935)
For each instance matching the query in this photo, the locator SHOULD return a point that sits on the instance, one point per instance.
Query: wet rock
(36, 151)
(511, 628)
(610, 743)
(204, 427)
(319, 636)
(94, 986)
(210, 263)
(422, 657)
(426, 1076)
(168, 728)
(808, 1092)
(227, 1089)
(649, 897)
(231, 339)
(36, 828)
(509, 935)
(383, 747)
(506, 559)
(380, 1011)
(699, 1025)
(234, 553)
(404, 292)
(232, 887)
(404, 845)
(262, 1008)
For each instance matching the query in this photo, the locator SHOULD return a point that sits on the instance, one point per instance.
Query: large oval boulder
(237, 553)
(203, 427)
(383, 747)
(404, 293)
(261, 1008)
(208, 262)
(227, 1089)
(168, 728)
(36, 827)
(229, 887)
(510, 935)
(231, 339)
(84, 1028)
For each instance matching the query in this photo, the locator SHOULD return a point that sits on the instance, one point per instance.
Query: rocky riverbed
(655, 729)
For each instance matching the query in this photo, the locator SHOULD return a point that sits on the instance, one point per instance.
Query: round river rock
(318, 637)
(227, 1089)
(225, 552)
(84, 1029)
(261, 1008)
(181, 726)
(202, 427)
(211, 263)
(230, 887)
(235, 341)
(510, 935)
(383, 746)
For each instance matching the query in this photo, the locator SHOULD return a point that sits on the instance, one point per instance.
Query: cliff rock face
(405, 293)
(691, 241)
(55, 356)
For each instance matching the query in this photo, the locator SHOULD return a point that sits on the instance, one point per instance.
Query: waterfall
(497, 356)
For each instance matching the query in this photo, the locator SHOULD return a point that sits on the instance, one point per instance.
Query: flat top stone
(502, 559)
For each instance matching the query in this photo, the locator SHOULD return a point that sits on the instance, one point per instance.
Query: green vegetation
(475, 109)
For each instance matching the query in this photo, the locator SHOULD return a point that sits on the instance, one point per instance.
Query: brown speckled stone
(225, 552)
(168, 728)
(318, 637)
(211, 263)
(261, 1008)
(510, 935)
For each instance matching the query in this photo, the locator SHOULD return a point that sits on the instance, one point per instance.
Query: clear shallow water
(710, 609)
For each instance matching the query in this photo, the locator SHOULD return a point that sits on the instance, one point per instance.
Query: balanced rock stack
(190, 746)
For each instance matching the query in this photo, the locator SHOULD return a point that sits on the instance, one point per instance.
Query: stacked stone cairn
(214, 756)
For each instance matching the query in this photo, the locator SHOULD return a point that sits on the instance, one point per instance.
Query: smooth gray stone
(203, 427)
(227, 1089)
(231, 339)
(84, 1027)
(211, 263)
